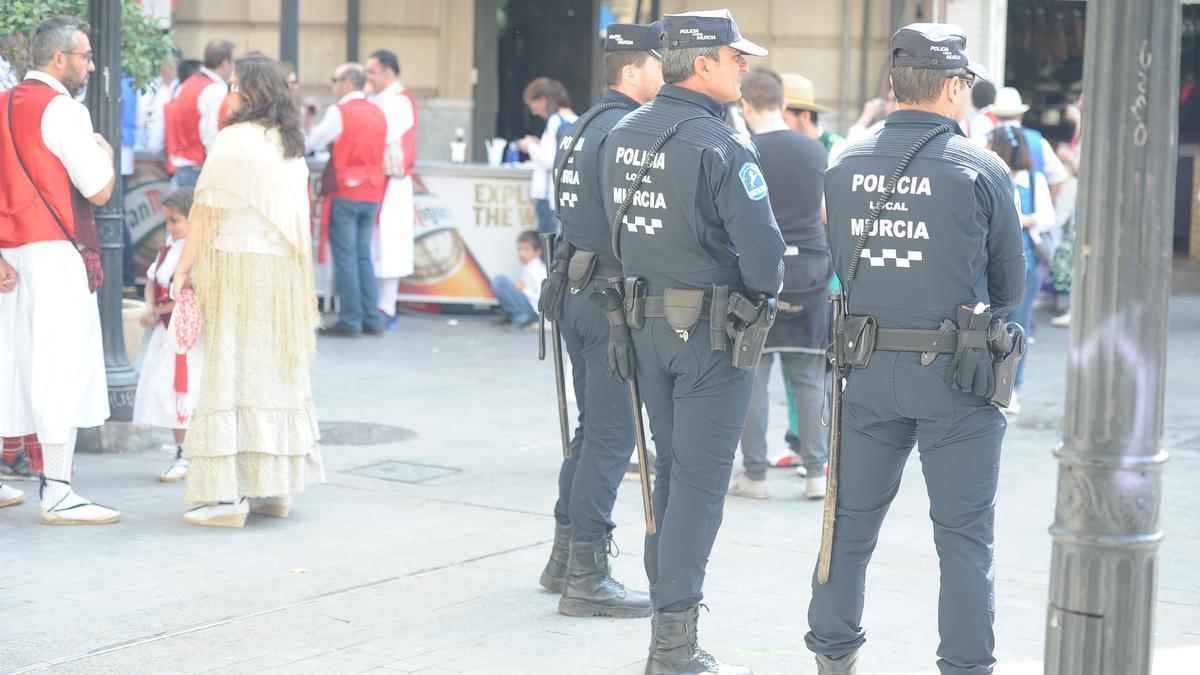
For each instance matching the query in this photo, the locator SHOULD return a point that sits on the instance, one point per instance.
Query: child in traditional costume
(168, 382)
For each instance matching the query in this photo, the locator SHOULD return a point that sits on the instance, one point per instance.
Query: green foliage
(144, 42)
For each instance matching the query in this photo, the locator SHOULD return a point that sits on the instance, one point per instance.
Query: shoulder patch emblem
(753, 181)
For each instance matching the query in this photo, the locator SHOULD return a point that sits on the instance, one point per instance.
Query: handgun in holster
(1006, 342)
(749, 324)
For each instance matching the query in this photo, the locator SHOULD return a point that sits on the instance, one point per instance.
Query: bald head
(348, 78)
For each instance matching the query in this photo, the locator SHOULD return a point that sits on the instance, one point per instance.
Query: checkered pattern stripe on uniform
(887, 254)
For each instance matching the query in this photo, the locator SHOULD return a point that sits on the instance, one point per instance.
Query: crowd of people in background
(368, 138)
(233, 135)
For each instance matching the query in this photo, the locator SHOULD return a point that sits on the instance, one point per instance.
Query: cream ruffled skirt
(254, 432)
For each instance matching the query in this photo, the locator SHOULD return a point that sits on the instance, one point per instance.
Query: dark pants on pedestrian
(806, 374)
(350, 225)
(186, 176)
(697, 403)
(513, 301)
(888, 406)
(603, 441)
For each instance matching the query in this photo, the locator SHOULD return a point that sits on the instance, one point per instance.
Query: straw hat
(798, 92)
(1008, 103)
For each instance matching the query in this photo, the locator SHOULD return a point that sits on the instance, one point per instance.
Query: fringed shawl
(246, 163)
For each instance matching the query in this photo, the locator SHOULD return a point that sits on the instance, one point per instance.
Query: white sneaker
(275, 507)
(814, 487)
(175, 472)
(801, 471)
(744, 486)
(221, 514)
(75, 510)
(1014, 407)
(1061, 321)
(10, 496)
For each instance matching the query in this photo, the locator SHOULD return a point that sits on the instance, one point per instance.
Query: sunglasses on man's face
(966, 79)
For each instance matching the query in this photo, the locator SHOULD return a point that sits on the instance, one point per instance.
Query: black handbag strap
(13, 135)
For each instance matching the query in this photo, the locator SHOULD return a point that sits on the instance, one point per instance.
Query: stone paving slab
(373, 575)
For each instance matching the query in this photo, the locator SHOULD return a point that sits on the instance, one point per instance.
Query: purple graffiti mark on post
(1128, 360)
(1141, 133)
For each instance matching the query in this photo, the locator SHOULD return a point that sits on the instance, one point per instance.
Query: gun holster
(635, 302)
(1006, 342)
(750, 337)
(579, 270)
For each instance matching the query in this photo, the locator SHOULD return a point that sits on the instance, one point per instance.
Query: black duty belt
(919, 340)
(602, 271)
(655, 309)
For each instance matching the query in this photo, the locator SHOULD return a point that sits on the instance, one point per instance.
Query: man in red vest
(394, 243)
(194, 117)
(352, 186)
(52, 379)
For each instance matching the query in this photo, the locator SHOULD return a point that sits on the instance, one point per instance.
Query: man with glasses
(194, 117)
(52, 379)
(942, 260)
(352, 188)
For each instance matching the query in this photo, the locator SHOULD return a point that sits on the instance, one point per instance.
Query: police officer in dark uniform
(938, 268)
(697, 236)
(584, 262)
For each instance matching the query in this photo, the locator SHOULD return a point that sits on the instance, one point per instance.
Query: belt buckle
(683, 335)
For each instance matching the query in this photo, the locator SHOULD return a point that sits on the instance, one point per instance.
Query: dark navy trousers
(890, 406)
(603, 440)
(697, 403)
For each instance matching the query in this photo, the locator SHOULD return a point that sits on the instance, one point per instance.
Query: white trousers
(52, 377)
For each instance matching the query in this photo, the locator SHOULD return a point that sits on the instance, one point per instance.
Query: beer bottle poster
(465, 229)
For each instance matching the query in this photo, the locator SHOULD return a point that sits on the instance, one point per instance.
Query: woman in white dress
(165, 397)
(252, 442)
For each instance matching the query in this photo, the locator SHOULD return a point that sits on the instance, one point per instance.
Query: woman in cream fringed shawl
(253, 439)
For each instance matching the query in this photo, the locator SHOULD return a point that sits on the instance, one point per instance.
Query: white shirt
(859, 132)
(1043, 207)
(209, 106)
(542, 154)
(162, 275)
(533, 273)
(152, 126)
(397, 109)
(835, 149)
(67, 132)
(982, 125)
(329, 129)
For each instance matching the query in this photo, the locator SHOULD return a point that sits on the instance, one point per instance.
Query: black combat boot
(590, 589)
(847, 665)
(556, 569)
(675, 648)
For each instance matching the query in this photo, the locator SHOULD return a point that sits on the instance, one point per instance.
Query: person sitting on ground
(168, 382)
(518, 300)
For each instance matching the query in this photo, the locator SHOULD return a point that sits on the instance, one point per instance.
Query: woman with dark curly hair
(253, 438)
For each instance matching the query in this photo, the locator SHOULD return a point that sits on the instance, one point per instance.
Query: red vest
(357, 156)
(23, 215)
(409, 140)
(183, 120)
